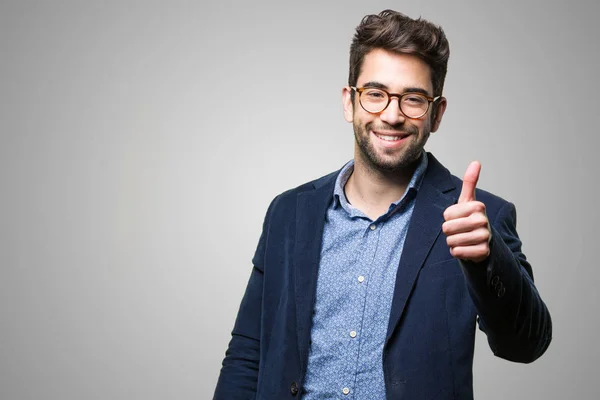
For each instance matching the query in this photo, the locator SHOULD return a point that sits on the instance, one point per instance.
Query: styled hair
(398, 33)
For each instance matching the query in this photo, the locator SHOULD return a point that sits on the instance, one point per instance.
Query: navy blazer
(428, 352)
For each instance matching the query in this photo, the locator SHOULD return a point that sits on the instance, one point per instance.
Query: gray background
(142, 142)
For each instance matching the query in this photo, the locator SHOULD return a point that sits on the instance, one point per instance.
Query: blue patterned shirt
(355, 287)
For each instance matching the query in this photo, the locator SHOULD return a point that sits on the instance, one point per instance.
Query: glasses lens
(374, 100)
(414, 105)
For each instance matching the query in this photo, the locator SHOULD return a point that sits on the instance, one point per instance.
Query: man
(368, 282)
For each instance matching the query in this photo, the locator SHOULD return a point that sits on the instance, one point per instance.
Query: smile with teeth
(389, 138)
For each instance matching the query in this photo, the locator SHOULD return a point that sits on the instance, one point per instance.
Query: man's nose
(392, 113)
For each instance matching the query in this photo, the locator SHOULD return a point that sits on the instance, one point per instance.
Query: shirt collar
(339, 197)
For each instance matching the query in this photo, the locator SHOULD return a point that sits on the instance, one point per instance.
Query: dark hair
(398, 33)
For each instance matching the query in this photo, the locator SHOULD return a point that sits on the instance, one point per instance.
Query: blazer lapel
(425, 226)
(311, 210)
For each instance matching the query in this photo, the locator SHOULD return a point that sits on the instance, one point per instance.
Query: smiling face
(388, 141)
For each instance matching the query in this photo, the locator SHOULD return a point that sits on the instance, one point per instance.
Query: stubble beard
(405, 157)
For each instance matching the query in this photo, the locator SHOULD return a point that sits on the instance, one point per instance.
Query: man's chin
(393, 165)
(388, 165)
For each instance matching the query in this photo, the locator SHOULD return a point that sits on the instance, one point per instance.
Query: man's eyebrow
(416, 90)
(374, 84)
(379, 85)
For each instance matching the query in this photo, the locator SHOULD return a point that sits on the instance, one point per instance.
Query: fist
(466, 225)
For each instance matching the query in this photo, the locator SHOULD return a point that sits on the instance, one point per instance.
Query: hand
(467, 228)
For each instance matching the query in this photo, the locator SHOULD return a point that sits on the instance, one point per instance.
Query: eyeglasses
(412, 105)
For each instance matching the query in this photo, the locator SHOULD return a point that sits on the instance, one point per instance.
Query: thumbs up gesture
(466, 225)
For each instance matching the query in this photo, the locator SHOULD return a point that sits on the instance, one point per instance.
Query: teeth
(390, 138)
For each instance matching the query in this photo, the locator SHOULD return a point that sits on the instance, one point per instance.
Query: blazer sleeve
(511, 312)
(239, 374)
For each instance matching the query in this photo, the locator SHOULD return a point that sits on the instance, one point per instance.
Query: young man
(368, 282)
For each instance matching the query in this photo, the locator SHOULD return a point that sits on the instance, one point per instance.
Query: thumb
(470, 182)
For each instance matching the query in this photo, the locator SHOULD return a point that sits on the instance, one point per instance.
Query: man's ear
(440, 108)
(347, 103)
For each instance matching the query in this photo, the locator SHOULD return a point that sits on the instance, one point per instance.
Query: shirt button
(361, 279)
(373, 227)
(345, 390)
(352, 334)
(294, 388)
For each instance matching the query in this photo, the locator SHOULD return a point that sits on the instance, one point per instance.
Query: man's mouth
(390, 138)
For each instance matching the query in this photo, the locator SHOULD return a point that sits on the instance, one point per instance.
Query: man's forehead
(395, 71)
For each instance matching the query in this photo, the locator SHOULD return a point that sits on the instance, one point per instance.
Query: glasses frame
(430, 100)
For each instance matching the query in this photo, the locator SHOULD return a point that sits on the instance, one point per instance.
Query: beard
(390, 160)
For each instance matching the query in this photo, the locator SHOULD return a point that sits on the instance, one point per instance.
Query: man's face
(389, 141)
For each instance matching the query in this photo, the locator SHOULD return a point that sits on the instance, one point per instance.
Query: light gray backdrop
(141, 143)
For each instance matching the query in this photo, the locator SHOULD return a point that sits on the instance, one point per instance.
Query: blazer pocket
(437, 264)
(441, 269)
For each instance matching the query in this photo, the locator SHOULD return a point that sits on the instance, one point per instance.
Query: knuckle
(445, 228)
(479, 206)
(481, 220)
(486, 235)
(447, 214)
(455, 252)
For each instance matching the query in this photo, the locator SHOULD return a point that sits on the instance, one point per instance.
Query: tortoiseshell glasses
(413, 105)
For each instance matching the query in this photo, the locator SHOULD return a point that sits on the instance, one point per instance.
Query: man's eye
(375, 94)
(415, 99)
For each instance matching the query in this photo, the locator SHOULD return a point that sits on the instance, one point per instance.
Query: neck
(372, 190)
